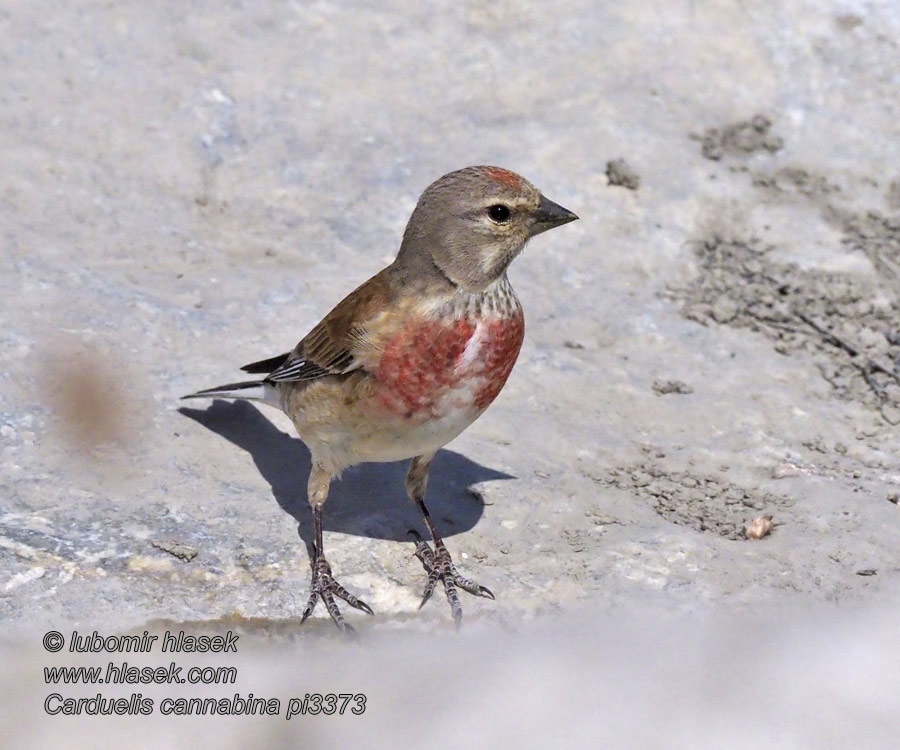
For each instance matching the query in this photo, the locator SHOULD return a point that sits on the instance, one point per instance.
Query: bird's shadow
(369, 500)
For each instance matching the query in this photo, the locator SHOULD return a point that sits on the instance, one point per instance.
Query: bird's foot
(325, 587)
(439, 566)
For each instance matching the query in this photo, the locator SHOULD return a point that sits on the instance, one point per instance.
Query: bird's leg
(323, 583)
(437, 562)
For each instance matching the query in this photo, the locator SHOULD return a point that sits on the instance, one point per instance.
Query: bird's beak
(549, 215)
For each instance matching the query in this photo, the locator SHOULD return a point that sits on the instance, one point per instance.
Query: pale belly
(400, 431)
(396, 440)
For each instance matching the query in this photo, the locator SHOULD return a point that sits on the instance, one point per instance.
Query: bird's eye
(499, 213)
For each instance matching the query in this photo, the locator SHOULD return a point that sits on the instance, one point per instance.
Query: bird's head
(472, 223)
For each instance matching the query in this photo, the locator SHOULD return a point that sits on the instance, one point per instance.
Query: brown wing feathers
(329, 348)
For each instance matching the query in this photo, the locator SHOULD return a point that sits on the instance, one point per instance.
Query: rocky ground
(190, 187)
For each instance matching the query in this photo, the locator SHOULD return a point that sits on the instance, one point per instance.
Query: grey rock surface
(187, 187)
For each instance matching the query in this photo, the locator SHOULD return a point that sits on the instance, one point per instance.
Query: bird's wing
(338, 344)
(267, 365)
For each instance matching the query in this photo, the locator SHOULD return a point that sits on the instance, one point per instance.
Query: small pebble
(620, 173)
(759, 528)
(176, 549)
(664, 387)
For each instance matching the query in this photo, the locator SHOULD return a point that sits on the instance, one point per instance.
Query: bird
(409, 359)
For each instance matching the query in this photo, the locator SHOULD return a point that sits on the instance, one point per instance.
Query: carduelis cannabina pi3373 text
(411, 358)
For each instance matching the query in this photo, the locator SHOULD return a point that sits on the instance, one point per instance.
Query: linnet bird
(407, 361)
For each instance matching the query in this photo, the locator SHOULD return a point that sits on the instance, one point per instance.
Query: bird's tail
(250, 390)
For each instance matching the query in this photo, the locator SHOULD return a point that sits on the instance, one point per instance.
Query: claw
(433, 577)
(361, 605)
(325, 587)
(473, 588)
(310, 606)
(453, 598)
(439, 566)
(341, 592)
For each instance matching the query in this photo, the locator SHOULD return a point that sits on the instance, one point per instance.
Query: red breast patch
(427, 359)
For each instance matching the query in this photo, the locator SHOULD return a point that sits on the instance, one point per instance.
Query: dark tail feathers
(267, 365)
(233, 390)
